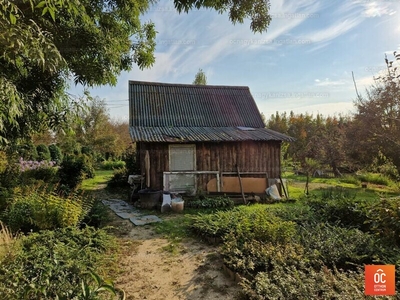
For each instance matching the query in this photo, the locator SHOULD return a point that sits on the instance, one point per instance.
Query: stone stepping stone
(127, 215)
(143, 220)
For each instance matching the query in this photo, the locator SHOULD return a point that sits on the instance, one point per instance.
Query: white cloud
(377, 9)
(328, 82)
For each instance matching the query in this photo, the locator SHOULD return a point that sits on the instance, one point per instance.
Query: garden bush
(54, 264)
(374, 178)
(36, 209)
(347, 212)
(344, 248)
(74, 169)
(55, 153)
(293, 282)
(384, 219)
(112, 164)
(215, 202)
(119, 179)
(43, 152)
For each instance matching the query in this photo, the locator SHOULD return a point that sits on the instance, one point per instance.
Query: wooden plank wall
(250, 157)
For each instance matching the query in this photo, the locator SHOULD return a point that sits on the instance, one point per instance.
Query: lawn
(99, 181)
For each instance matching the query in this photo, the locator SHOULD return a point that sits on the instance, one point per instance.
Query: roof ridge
(131, 82)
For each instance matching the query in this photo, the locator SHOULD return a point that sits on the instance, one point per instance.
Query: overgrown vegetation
(55, 264)
(315, 249)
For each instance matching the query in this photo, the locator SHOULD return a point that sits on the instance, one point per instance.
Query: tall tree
(377, 121)
(200, 78)
(46, 42)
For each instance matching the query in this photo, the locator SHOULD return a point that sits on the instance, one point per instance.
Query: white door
(182, 157)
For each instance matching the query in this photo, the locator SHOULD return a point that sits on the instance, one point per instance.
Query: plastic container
(177, 204)
(149, 198)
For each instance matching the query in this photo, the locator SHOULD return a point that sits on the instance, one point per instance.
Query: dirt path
(152, 268)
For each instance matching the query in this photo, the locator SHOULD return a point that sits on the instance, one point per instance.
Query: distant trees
(369, 139)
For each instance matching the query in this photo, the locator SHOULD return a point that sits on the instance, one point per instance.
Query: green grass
(296, 186)
(101, 178)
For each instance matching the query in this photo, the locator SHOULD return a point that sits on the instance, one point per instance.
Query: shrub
(344, 211)
(53, 264)
(55, 153)
(28, 151)
(350, 179)
(43, 152)
(97, 216)
(119, 179)
(112, 165)
(334, 246)
(384, 219)
(7, 240)
(292, 283)
(74, 169)
(253, 256)
(374, 178)
(131, 162)
(37, 209)
(337, 193)
(216, 202)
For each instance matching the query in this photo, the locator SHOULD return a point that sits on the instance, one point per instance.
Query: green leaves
(239, 10)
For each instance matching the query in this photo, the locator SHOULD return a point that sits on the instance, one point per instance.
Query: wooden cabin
(194, 138)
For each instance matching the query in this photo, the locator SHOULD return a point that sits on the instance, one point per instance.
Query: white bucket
(177, 204)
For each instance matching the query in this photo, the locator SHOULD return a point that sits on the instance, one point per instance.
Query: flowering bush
(26, 165)
(32, 171)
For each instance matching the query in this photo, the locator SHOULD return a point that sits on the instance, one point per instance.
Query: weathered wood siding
(250, 156)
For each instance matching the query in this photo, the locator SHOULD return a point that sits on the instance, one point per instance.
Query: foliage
(375, 130)
(383, 219)
(256, 10)
(200, 78)
(7, 240)
(374, 178)
(55, 153)
(340, 210)
(27, 151)
(291, 282)
(131, 160)
(333, 246)
(43, 152)
(112, 164)
(53, 264)
(214, 202)
(292, 252)
(119, 179)
(36, 209)
(98, 215)
(74, 169)
(39, 58)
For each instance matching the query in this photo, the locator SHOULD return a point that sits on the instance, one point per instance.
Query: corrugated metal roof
(181, 105)
(163, 112)
(204, 134)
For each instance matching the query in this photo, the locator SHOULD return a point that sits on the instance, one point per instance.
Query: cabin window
(182, 157)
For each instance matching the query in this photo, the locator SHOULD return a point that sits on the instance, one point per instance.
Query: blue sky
(303, 63)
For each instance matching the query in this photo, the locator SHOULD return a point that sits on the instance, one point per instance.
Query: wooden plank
(231, 185)
(240, 183)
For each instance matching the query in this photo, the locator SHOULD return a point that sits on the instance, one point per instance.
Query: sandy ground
(152, 268)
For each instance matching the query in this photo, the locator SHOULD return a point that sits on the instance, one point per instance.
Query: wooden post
(240, 183)
(283, 186)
